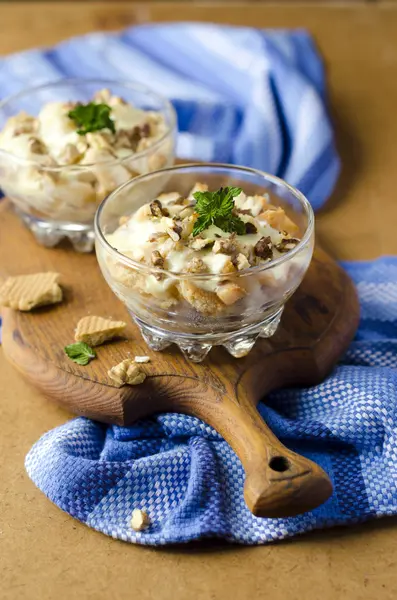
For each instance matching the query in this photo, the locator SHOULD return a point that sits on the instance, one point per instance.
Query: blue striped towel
(244, 96)
(189, 480)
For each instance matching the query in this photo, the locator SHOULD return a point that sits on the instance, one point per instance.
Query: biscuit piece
(127, 372)
(97, 330)
(279, 220)
(203, 301)
(25, 292)
(230, 293)
(139, 520)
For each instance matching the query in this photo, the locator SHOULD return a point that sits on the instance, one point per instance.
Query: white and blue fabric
(244, 96)
(189, 480)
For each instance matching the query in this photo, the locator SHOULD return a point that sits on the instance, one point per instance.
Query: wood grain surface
(318, 323)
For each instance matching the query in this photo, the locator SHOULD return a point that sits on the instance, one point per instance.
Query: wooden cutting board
(316, 328)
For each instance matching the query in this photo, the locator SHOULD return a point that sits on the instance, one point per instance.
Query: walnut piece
(241, 262)
(127, 372)
(198, 243)
(287, 244)
(142, 359)
(157, 259)
(196, 265)
(263, 248)
(226, 245)
(157, 210)
(174, 232)
(139, 520)
(250, 228)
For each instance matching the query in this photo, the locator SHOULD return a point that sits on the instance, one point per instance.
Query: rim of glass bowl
(169, 109)
(202, 166)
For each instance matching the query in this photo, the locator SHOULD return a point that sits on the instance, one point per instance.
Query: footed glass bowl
(151, 294)
(60, 201)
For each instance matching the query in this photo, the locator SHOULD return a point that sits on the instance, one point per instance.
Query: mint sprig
(80, 353)
(92, 117)
(216, 208)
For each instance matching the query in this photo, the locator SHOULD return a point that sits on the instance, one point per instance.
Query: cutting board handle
(278, 482)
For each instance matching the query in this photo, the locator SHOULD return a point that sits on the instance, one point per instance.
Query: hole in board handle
(279, 464)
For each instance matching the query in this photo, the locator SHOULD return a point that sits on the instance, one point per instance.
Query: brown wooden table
(44, 553)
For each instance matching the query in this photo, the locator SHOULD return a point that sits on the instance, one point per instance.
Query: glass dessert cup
(57, 202)
(151, 294)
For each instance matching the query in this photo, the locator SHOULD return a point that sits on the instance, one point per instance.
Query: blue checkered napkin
(242, 96)
(190, 481)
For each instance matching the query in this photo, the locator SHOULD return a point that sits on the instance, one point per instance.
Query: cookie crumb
(139, 520)
(142, 359)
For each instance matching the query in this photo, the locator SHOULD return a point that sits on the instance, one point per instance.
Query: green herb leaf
(201, 223)
(92, 117)
(216, 208)
(80, 353)
(231, 224)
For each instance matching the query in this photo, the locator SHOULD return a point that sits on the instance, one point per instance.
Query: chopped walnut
(226, 245)
(198, 243)
(241, 262)
(174, 232)
(157, 259)
(127, 372)
(287, 244)
(170, 198)
(37, 146)
(157, 209)
(250, 228)
(131, 138)
(230, 293)
(100, 140)
(141, 359)
(196, 265)
(139, 520)
(263, 248)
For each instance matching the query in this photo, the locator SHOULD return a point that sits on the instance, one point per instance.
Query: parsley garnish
(80, 353)
(216, 208)
(92, 117)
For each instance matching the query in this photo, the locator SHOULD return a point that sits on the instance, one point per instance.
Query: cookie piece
(96, 330)
(25, 292)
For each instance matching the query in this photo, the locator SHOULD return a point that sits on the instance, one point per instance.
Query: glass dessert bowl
(64, 146)
(205, 254)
